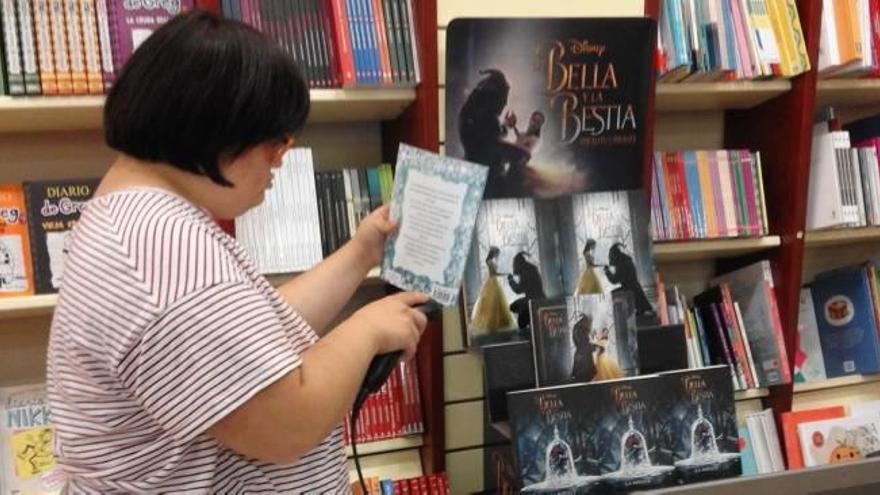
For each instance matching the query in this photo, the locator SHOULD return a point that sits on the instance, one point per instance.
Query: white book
(870, 155)
(27, 463)
(839, 440)
(732, 229)
(759, 443)
(824, 207)
(869, 408)
(282, 233)
(773, 446)
(829, 55)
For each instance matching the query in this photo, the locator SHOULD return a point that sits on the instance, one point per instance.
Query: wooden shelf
(751, 394)
(843, 381)
(680, 97)
(68, 113)
(19, 307)
(848, 92)
(835, 237)
(666, 251)
(382, 446)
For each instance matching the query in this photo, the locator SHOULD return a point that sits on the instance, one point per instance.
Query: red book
(342, 36)
(874, 20)
(330, 43)
(736, 340)
(790, 421)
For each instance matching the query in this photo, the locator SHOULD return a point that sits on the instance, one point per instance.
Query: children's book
(27, 463)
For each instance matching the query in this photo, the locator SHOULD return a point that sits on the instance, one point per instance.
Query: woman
(173, 365)
(491, 313)
(588, 282)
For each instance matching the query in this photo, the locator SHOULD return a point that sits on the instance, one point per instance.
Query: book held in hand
(435, 202)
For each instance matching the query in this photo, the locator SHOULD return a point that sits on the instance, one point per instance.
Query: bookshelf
(717, 95)
(69, 113)
(841, 237)
(60, 137)
(43, 304)
(842, 381)
(670, 251)
(848, 92)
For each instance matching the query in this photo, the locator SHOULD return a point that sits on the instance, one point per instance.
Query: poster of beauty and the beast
(551, 106)
(556, 108)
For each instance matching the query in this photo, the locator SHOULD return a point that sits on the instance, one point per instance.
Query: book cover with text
(551, 106)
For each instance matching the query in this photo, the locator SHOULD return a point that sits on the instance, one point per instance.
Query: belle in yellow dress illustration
(588, 282)
(491, 313)
(606, 366)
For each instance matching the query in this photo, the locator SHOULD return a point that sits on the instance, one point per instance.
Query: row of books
(347, 197)
(828, 435)
(35, 217)
(837, 324)
(307, 215)
(708, 194)
(625, 435)
(394, 411)
(735, 322)
(431, 484)
(339, 42)
(849, 38)
(64, 47)
(713, 40)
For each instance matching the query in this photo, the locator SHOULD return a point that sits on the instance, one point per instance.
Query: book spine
(343, 42)
(734, 333)
(412, 45)
(776, 328)
(328, 38)
(736, 373)
(692, 181)
(59, 41)
(108, 72)
(391, 37)
(372, 48)
(28, 45)
(384, 55)
(708, 198)
(13, 49)
(43, 35)
(91, 44)
(747, 168)
(75, 47)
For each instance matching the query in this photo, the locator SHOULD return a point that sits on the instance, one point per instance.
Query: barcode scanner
(377, 373)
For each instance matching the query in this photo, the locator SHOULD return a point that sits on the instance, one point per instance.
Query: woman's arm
(292, 415)
(320, 293)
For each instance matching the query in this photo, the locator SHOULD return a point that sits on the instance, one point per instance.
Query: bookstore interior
(650, 230)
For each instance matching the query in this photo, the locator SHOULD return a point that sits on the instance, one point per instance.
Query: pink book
(742, 44)
(720, 214)
(745, 160)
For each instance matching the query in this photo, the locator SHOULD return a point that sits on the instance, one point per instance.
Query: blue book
(692, 178)
(440, 196)
(357, 41)
(845, 317)
(372, 44)
(374, 188)
(747, 452)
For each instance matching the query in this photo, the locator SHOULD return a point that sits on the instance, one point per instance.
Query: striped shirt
(163, 327)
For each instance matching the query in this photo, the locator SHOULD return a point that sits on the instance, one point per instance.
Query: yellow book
(801, 62)
(844, 16)
(783, 37)
(707, 195)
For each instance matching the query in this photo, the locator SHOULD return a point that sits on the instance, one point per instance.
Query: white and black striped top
(162, 328)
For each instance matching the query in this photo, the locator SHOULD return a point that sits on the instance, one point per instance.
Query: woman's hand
(371, 234)
(393, 323)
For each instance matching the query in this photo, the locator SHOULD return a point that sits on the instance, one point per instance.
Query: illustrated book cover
(551, 106)
(27, 463)
(532, 249)
(584, 338)
(53, 208)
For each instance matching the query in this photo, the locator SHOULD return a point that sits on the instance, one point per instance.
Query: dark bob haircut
(201, 90)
